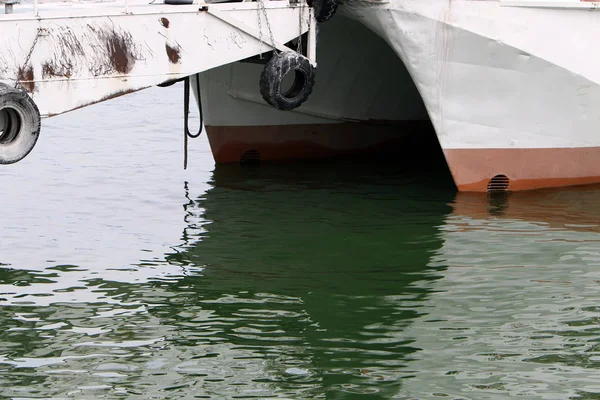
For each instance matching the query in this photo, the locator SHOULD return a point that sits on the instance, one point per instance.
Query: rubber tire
(15, 148)
(272, 76)
(324, 9)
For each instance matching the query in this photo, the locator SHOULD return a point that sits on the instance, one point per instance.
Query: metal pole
(312, 37)
(35, 8)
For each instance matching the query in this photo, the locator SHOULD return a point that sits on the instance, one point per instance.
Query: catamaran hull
(510, 111)
(355, 109)
(511, 90)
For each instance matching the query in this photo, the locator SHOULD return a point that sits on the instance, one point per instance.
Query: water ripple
(124, 276)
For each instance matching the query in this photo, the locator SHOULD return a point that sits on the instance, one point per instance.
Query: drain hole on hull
(250, 157)
(498, 183)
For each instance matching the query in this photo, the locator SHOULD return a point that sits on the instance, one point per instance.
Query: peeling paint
(165, 22)
(174, 53)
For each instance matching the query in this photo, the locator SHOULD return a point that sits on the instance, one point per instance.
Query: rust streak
(26, 78)
(118, 51)
(174, 54)
(116, 94)
(164, 22)
(101, 50)
(105, 98)
(50, 69)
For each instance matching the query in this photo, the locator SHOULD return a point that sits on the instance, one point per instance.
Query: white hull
(509, 90)
(364, 101)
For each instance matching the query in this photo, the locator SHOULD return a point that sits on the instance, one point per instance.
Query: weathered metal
(70, 57)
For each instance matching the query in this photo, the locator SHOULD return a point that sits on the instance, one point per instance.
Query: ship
(504, 92)
(507, 91)
(60, 56)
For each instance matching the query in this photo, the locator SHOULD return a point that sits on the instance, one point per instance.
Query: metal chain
(259, 29)
(310, 18)
(261, 7)
(311, 11)
(299, 50)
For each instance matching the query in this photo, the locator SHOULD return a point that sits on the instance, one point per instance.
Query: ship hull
(503, 105)
(232, 144)
(354, 110)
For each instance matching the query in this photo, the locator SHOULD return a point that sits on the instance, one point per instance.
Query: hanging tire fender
(271, 80)
(323, 9)
(20, 124)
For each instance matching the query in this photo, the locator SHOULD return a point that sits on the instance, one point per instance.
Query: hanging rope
(186, 116)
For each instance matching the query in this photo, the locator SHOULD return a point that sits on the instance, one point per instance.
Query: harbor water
(124, 276)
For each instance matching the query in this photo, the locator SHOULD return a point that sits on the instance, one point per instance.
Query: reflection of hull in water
(334, 225)
(322, 281)
(574, 208)
(503, 103)
(329, 256)
(515, 312)
(294, 282)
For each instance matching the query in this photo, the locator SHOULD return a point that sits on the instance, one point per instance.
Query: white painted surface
(590, 5)
(358, 77)
(70, 50)
(498, 77)
(491, 74)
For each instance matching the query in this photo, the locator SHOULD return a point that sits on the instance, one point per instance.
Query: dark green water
(293, 282)
(334, 281)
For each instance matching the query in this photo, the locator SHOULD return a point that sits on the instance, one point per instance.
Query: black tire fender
(273, 74)
(20, 124)
(324, 9)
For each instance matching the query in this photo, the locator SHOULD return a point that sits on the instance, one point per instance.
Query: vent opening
(498, 183)
(250, 157)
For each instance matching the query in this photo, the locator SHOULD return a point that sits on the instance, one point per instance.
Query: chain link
(261, 7)
(299, 50)
(310, 18)
(262, 11)
(259, 28)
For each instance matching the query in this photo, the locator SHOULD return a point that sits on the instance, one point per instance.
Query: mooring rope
(186, 116)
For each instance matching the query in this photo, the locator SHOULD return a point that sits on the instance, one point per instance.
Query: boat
(508, 90)
(59, 56)
(505, 92)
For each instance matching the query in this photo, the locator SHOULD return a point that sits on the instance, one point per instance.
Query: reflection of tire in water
(19, 124)
(273, 74)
